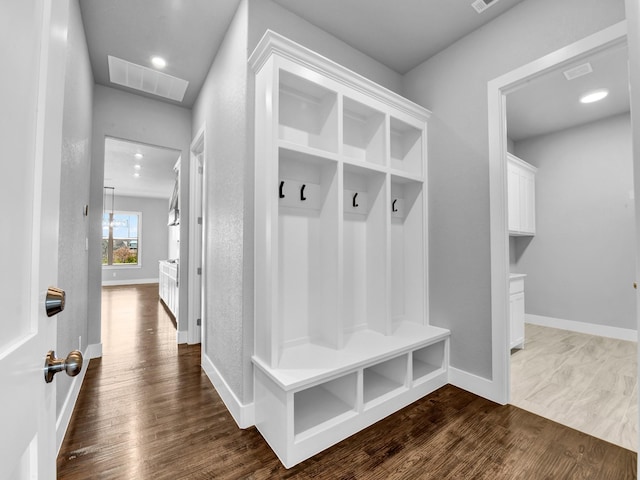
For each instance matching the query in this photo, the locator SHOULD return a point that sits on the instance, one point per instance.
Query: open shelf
(408, 262)
(308, 113)
(364, 250)
(308, 245)
(321, 406)
(384, 378)
(406, 147)
(428, 360)
(363, 132)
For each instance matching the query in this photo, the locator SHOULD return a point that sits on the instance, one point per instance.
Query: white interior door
(33, 35)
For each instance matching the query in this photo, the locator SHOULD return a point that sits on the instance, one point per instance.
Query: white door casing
(196, 239)
(32, 96)
(497, 90)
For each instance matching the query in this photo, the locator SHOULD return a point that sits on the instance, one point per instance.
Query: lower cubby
(384, 379)
(302, 411)
(428, 361)
(321, 406)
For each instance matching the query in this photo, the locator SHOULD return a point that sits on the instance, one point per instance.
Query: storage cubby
(308, 245)
(363, 132)
(308, 113)
(364, 250)
(408, 280)
(427, 361)
(383, 379)
(406, 147)
(330, 402)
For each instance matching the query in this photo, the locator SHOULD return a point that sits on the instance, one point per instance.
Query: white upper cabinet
(521, 182)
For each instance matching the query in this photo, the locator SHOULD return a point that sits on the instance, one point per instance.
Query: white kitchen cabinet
(342, 337)
(516, 310)
(168, 285)
(521, 196)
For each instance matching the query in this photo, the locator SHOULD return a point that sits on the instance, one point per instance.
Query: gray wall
(133, 117)
(453, 84)
(226, 105)
(74, 194)
(581, 264)
(153, 245)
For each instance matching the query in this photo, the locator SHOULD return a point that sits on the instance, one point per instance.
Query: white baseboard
(243, 415)
(181, 336)
(483, 387)
(94, 350)
(136, 281)
(582, 327)
(62, 422)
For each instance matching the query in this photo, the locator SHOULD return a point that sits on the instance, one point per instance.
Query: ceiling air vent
(578, 71)
(481, 5)
(146, 79)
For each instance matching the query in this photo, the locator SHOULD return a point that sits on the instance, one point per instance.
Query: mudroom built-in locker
(342, 335)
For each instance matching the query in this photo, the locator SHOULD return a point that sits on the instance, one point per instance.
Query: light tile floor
(583, 381)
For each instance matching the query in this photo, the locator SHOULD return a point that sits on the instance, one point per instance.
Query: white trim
(497, 89)
(583, 327)
(181, 336)
(196, 243)
(274, 42)
(243, 414)
(134, 281)
(62, 422)
(470, 382)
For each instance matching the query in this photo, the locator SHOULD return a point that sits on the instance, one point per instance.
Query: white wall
(74, 194)
(580, 266)
(153, 245)
(453, 84)
(132, 117)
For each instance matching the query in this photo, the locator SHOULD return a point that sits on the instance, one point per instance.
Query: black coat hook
(302, 197)
(393, 205)
(354, 199)
(281, 187)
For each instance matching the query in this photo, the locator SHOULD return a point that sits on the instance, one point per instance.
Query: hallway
(147, 411)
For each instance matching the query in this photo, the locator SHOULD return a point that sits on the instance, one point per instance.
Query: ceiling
(156, 176)
(550, 102)
(188, 33)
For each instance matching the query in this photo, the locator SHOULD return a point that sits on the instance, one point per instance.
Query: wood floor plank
(147, 411)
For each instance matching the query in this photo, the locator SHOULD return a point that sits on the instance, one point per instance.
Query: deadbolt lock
(54, 303)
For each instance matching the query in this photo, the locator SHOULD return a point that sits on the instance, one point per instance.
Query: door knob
(54, 303)
(52, 365)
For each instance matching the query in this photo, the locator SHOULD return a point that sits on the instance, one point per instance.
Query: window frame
(139, 239)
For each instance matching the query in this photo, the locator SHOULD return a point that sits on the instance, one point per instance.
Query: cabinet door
(513, 199)
(516, 315)
(527, 203)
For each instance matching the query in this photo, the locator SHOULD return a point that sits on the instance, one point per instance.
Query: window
(120, 238)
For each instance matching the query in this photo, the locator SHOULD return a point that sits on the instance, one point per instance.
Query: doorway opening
(501, 91)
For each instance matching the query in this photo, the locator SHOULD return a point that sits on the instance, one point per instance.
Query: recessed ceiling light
(137, 167)
(158, 62)
(136, 174)
(138, 156)
(594, 96)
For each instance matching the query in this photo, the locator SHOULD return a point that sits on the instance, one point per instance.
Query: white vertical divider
(339, 326)
(267, 344)
(387, 230)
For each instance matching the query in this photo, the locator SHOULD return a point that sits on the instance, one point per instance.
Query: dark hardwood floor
(147, 411)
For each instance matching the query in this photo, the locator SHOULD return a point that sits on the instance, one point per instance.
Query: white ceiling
(551, 102)
(400, 35)
(156, 178)
(187, 33)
